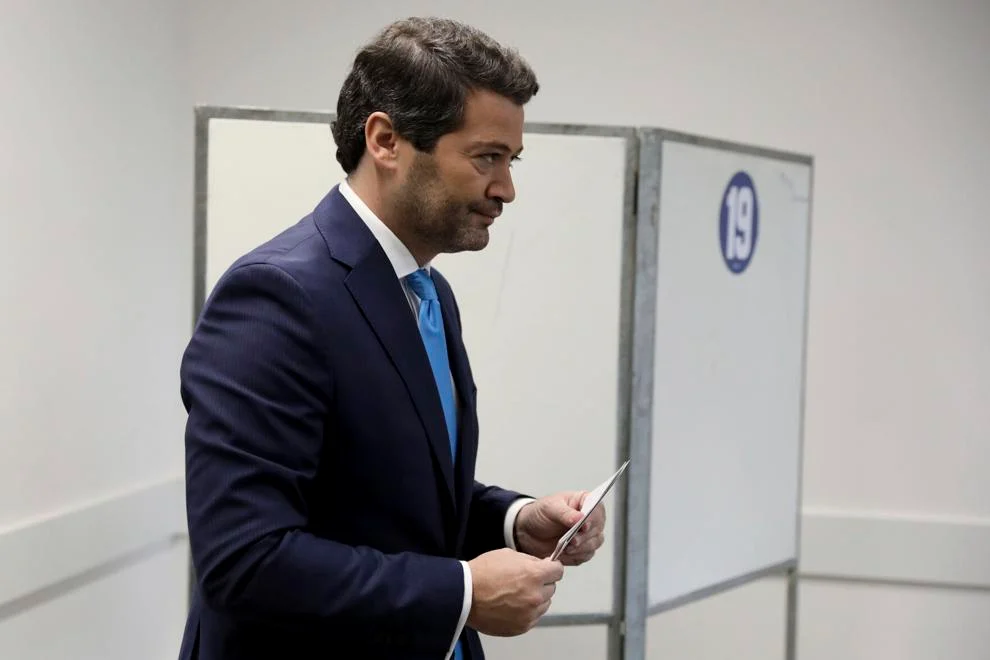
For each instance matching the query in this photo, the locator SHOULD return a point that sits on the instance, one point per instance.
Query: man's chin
(473, 241)
(479, 239)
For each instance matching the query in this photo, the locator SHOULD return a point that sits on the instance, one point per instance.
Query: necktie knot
(422, 284)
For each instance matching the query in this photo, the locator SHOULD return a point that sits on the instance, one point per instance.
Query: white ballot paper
(593, 499)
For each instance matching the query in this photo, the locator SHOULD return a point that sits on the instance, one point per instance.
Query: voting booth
(643, 298)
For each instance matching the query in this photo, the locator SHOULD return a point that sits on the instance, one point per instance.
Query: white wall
(95, 260)
(892, 99)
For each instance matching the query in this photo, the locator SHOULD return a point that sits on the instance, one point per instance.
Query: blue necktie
(431, 330)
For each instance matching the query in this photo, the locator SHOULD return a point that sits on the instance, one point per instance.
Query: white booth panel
(728, 367)
(263, 176)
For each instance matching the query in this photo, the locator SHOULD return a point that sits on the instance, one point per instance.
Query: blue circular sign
(739, 222)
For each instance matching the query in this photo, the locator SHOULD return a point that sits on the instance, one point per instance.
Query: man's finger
(579, 558)
(553, 571)
(576, 499)
(586, 532)
(585, 542)
(558, 510)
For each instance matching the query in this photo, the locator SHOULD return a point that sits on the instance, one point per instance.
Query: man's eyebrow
(495, 144)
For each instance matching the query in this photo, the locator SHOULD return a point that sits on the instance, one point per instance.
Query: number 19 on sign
(739, 222)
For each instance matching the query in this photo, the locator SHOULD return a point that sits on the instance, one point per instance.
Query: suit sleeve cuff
(510, 521)
(465, 609)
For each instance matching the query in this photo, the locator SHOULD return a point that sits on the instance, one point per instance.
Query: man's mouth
(491, 214)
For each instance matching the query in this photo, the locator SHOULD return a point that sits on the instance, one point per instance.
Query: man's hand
(540, 525)
(511, 591)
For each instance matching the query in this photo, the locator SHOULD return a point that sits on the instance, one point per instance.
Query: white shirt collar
(398, 254)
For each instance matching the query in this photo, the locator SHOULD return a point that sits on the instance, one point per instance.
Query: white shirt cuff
(465, 608)
(510, 520)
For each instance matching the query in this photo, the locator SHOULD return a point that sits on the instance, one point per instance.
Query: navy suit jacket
(326, 517)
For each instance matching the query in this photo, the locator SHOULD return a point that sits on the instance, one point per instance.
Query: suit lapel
(378, 293)
(373, 285)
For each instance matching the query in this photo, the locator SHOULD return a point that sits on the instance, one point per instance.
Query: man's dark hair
(420, 71)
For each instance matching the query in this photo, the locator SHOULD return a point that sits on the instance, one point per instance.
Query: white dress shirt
(405, 264)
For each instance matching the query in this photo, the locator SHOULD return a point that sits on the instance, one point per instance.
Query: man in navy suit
(332, 429)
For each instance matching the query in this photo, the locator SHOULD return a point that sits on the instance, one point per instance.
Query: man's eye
(493, 158)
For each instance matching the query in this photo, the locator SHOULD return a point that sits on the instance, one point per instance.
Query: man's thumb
(563, 513)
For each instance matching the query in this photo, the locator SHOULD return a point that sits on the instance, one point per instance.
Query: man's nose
(501, 188)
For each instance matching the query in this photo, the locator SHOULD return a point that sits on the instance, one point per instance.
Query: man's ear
(381, 140)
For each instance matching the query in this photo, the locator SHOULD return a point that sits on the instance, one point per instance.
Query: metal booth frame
(626, 623)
